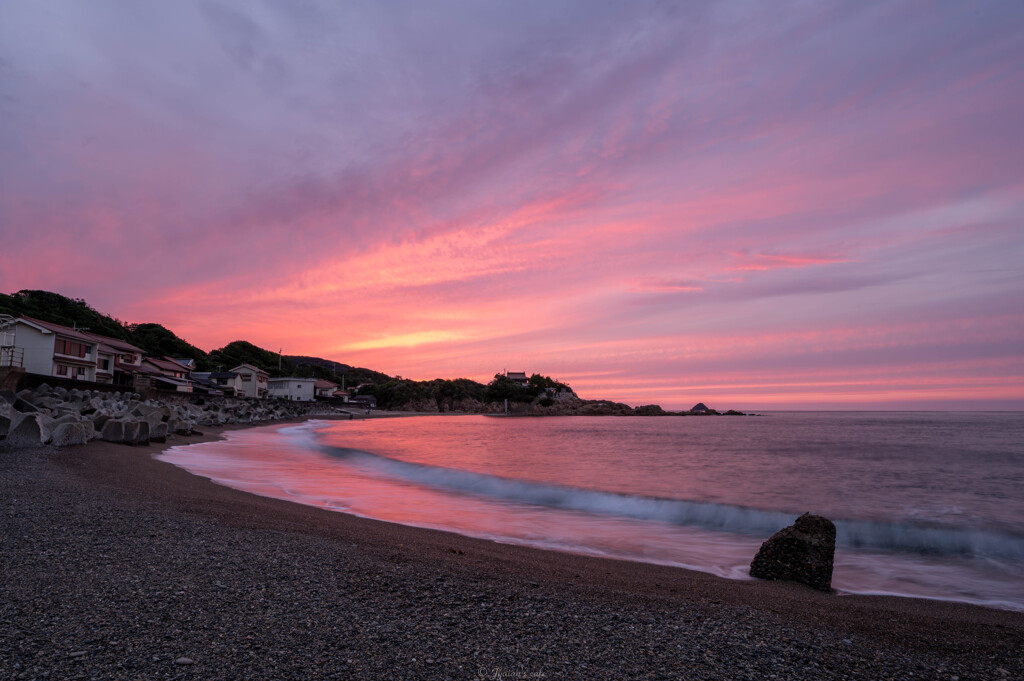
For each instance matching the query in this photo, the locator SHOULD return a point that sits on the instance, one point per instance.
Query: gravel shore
(117, 566)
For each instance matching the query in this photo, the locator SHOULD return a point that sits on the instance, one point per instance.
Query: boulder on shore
(67, 434)
(26, 430)
(62, 417)
(113, 430)
(802, 552)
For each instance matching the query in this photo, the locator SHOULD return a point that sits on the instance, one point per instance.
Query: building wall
(41, 359)
(245, 384)
(38, 349)
(299, 390)
(252, 387)
(106, 376)
(74, 361)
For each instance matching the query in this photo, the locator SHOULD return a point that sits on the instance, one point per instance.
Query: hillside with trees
(391, 392)
(55, 308)
(158, 341)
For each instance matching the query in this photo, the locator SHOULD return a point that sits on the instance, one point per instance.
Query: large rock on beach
(41, 390)
(29, 429)
(136, 432)
(67, 434)
(62, 417)
(23, 405)
(65, 418)
(158, 432)
(802, 552)
(112, 431)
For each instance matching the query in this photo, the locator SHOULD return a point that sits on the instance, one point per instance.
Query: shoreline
(443, 581)
(734, 569)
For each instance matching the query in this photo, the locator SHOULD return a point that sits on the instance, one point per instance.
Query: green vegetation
(504, 388)
(244, 352)
(391, 392)
(333, 371)
(159, 341)
(156, 340)
(56, 309)
(396, 393)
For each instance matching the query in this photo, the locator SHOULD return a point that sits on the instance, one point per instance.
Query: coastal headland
(115, 565)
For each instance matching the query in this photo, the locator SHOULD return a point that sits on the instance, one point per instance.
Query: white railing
(6, 332)
(10, 355)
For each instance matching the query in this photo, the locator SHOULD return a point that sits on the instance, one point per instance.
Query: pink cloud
(641, 202)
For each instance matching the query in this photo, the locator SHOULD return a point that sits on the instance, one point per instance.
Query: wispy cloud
(770, 204)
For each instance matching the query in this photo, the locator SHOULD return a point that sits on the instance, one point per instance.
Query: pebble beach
(116, 566)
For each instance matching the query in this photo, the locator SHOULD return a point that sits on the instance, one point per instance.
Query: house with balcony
(252, 381)
(294, 389)
(54, 350)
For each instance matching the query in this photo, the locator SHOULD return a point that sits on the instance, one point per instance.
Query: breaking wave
(859, 534)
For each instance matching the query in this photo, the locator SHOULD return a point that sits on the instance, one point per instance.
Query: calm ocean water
(926, 504)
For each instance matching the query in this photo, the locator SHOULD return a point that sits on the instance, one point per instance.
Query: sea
(926, 504)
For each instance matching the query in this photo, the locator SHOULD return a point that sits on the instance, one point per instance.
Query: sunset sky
(756, 205)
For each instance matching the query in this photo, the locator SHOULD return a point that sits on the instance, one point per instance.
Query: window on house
(70, 348)
(81, 371)
(104, 364)
(246, 378)
(62, 370)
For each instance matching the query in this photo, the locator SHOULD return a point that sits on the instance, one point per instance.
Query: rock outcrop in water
(802, 552)
(61, 417)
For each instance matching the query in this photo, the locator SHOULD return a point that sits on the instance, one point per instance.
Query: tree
(504, 388)
(159, 341)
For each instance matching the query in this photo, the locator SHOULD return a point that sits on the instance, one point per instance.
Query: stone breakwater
(61, 417)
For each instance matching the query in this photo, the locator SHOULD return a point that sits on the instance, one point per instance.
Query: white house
(252, 381)
(295, 389)
(325, 388)
(55, 350)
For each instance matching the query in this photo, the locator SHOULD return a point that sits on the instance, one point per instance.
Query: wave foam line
(859, 534)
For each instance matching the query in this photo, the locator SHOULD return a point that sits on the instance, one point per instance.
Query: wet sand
(115, 565)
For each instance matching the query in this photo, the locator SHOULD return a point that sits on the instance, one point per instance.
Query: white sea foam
(852, 533)
(917, 520)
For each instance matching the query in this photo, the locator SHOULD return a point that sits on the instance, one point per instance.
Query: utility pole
(279, 351)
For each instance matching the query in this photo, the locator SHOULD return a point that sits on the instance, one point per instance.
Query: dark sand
(117, 566)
